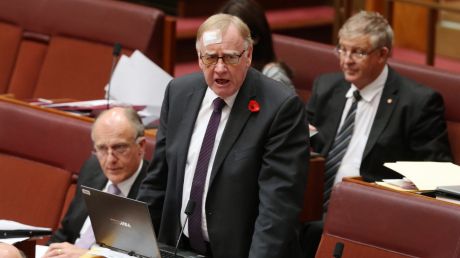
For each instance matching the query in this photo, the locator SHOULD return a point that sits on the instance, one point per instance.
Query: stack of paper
(139, 81)
(427, 175)
(12, 229)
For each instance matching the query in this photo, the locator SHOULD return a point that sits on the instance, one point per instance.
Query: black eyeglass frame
(223, 57)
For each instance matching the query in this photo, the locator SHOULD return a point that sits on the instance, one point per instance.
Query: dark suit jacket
(90, 175)
(409, 124)
(259, 173)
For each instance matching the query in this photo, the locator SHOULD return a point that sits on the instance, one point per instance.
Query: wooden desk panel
(313, 202)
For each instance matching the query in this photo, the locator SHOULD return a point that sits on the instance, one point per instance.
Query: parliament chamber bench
(365, 220)
(63, 49)
(41, 152)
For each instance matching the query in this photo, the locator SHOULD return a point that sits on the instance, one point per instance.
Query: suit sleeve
(429, 140)
(152, 189)
(282, 180)
(71, 224)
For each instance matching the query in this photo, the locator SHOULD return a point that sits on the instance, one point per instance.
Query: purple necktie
(87, 239)
(196, 194)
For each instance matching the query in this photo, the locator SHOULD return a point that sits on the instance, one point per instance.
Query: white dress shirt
(365, 114)
(199, 130)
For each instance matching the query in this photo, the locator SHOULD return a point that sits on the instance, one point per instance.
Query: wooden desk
(313, 201)
(9, 98)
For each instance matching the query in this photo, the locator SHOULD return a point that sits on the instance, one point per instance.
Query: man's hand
(64, 250)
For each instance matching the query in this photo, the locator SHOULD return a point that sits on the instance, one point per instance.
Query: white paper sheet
(428, 175)
(14, 225)
(139, 81)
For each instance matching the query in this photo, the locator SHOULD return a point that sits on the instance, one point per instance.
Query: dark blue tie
(338, 149)
(196, 194)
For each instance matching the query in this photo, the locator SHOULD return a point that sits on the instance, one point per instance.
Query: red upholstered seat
(63, 49)
(373, 222)
(9, 44)
(32, 192)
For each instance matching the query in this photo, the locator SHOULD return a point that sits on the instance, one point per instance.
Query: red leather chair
(378, 223)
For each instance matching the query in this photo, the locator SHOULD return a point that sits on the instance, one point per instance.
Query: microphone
(188, 211)
(338, 250)
(115, 54)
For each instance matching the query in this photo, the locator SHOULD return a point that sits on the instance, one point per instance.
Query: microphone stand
(188, 211)
(116, 53)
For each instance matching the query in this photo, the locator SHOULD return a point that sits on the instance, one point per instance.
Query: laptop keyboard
(168, 252)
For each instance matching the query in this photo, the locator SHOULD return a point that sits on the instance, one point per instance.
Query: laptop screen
(121, 224)
(124, 225)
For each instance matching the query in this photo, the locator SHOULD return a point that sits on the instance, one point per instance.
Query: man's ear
(384, 54)
(249, 55)
(142, 141)
(199, 60)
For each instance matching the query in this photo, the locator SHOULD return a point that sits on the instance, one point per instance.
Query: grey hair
(369, 23)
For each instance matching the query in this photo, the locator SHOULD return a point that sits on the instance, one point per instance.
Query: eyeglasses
(356, 54)
(117, 150)
(229, 59)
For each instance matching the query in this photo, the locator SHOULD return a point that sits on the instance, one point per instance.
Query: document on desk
(105, 252)
(427, 175)
(13, 229)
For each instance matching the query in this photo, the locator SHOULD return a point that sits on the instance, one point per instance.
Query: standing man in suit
(118, 137)
(250, 194)
(395, 118)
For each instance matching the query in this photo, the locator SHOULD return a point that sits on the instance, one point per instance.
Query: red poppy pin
(253, 106)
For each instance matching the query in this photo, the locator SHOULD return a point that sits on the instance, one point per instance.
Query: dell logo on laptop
(125, 224)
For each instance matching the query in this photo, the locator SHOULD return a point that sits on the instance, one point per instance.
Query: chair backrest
(63, 49)
(32, 192)
(374, 222)
(307, 60)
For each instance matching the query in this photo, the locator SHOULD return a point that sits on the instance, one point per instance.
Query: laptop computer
(124, 225)
(449, 192)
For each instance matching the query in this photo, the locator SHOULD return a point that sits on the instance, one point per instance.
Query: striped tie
(338, 149)
(196, 238)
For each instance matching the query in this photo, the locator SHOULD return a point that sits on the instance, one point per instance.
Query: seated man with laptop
(117, 167)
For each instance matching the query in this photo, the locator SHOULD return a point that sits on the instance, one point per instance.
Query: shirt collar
(210, 96)
(125, 186)
(372, 89)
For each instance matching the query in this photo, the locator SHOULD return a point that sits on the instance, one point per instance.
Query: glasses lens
(209, 59)
(231, 59)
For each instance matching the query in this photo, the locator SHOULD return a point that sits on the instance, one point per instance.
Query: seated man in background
(118, 137)
(10, 251)
(369, 114)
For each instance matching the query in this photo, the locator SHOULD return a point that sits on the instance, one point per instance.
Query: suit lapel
(238, 117)
(335, 115)
(387, 104)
